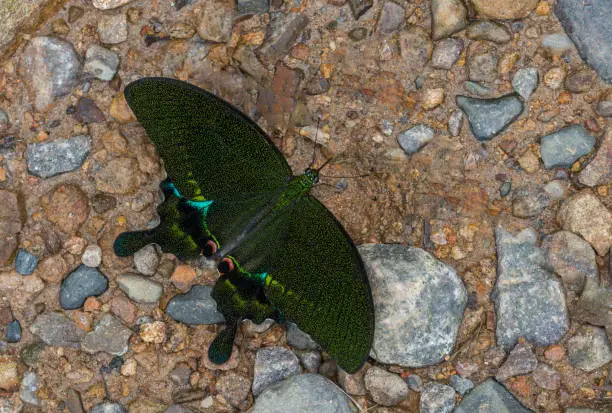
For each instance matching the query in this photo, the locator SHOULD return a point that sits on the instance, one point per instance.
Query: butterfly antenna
(314, 149)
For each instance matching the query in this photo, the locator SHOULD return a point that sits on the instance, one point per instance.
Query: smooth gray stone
(525, 82)
(195, 307)
(81, 283)
(490, 397)
(415, 138)
(25, 263)
(489, 117)
(56, 329)
(562, 148)
(109, 336)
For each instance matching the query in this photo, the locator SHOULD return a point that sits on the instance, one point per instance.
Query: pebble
(153, 332)
(556, 43)
(585, 215)
(520, 361)
(446, 53)
(109, 336)
(102, 203)
(140, 289)
(67, 207)
(490, 397)
(386, 389)
(51, 67)
(546, 377)
(489, 117)
(554, 78)
(415, 138)
(317, 86)
(101, 62)
(273, 364)
(146, 260)
(30, 353)
(504, 9)
(432, 98)
(112, 28)
(414, 339)
(92, 256)
(195, 307)
(581, 81)
(529, 162)
(358, 7)
(573, 259)
(88, 112)
(461, 385)
(455, 122)
(282, 39)
(118, 176)
(590, 30)
(298, 339)
(391, 17)
(29, 387)
(107, 5)
(13, 332)
(589, 349)
(304, 393)
(437, 398)
(252, 6)
(81, 283)
(354, 383)
(311, 360)
(488, 30)
(47, 159)
(414, 383)
(108, 407)
(216, 20)
(475, 88)
(25, 262)
(448, 17)
(529, 299)
(415, 49)
(483, 67)
(556, 189)
(599, 170)
(75, 13)
(234, 388)
(525, 82)
(56, 329)
(358, 34)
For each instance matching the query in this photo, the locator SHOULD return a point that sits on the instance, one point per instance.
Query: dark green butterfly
(232, 196)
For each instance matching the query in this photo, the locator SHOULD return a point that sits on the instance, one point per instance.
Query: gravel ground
(472, 147)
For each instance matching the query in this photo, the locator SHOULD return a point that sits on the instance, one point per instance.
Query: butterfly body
(281, 253)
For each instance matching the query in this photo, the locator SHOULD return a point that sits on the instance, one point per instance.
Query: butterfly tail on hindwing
(220, 349)
(128, 243)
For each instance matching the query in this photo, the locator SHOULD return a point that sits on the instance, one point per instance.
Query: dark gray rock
(414, 383)
(273, 364)
(81, 283)
(386, 389)
(437, 398)
(529, 299)
(489, 117)
(51, 67)
(55, 329)
(108, 336)
(590, 30)
(488, 30)
(195, 307)
(446, 53)
(562, 148)
(108, 407)
(589, 349)
(299, 339)
(525, 82)
(101, 62)
(13, 332)
(521, 361)
(25, 263)
(490, 397)
(404, 279)
(415, 138)
(46, 159)
(304, 393)
(461, 385)
(252, 6)
(360, 7)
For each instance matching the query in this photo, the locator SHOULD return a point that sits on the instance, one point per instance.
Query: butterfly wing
(210, 149)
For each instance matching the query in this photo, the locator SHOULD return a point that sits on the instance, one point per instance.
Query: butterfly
(231, 196)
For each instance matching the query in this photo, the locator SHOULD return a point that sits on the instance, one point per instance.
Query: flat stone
(589, 349)
(50, 67)
(25, 263)
(461, 385)
(360, 7)
(146, 260)
(47, 159)
(109, 336)
(521, 361)
(112, 28)
(195, 307)
(483, 66)
(29, 387)
(504, 9)
(448, 17)
(573, 259)
(391, 17)
(529, 299)
(488, 30)
(216, 20)
(304, 393)
(298, 339)
(599, 170)
(67, 207)
(140, 289)
(586, 215)
(386, 389)
(282, 39)
(273, 364)
(490, 397)
(415, 138)
(81, 283)
(416, 48)
(489, 117)
(277, 102)
(55, 329)
(581, 81)
(590, 30)
(101, 62)
(88, 112)
(234, 388)
(422, 301)
(107, 5)
(354, 383)
(564, 147)
(525, 82)
(437, 398)
(13, 332)
(556, 43)
(446, 53)
(455, 122)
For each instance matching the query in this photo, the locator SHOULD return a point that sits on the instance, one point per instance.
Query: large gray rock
(46, 159)
(589, 28)
(489, 117)
(195, 307)
(273, 364)
(419, 303)
(50, 67)
(304, 393)
(562, 148)
(589, 348)
(490, 397)
(529, 298)
(109, 336)
(56, 329)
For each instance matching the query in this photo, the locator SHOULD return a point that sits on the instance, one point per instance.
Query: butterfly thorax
(298, 186)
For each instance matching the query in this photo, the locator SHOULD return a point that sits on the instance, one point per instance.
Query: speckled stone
(47, 159)
(55, 329)
(273, 364)
(490, 397)
(25, 263)
(101, 62)
(298, 339)
(195, 307)
(489, 117)
(589, 349)
(437, 398)
(448, 17)
(446, 53)
(525, 82)
(386, 389)
(109, 336)
(562, 148)
(415, 138)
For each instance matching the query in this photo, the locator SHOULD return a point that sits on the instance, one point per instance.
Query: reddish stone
(555, 352)
(183, 277)
(67, 207)
(277, 102)
(124, 309)
(10, 225)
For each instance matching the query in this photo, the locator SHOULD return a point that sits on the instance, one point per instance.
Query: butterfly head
(312, 175)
